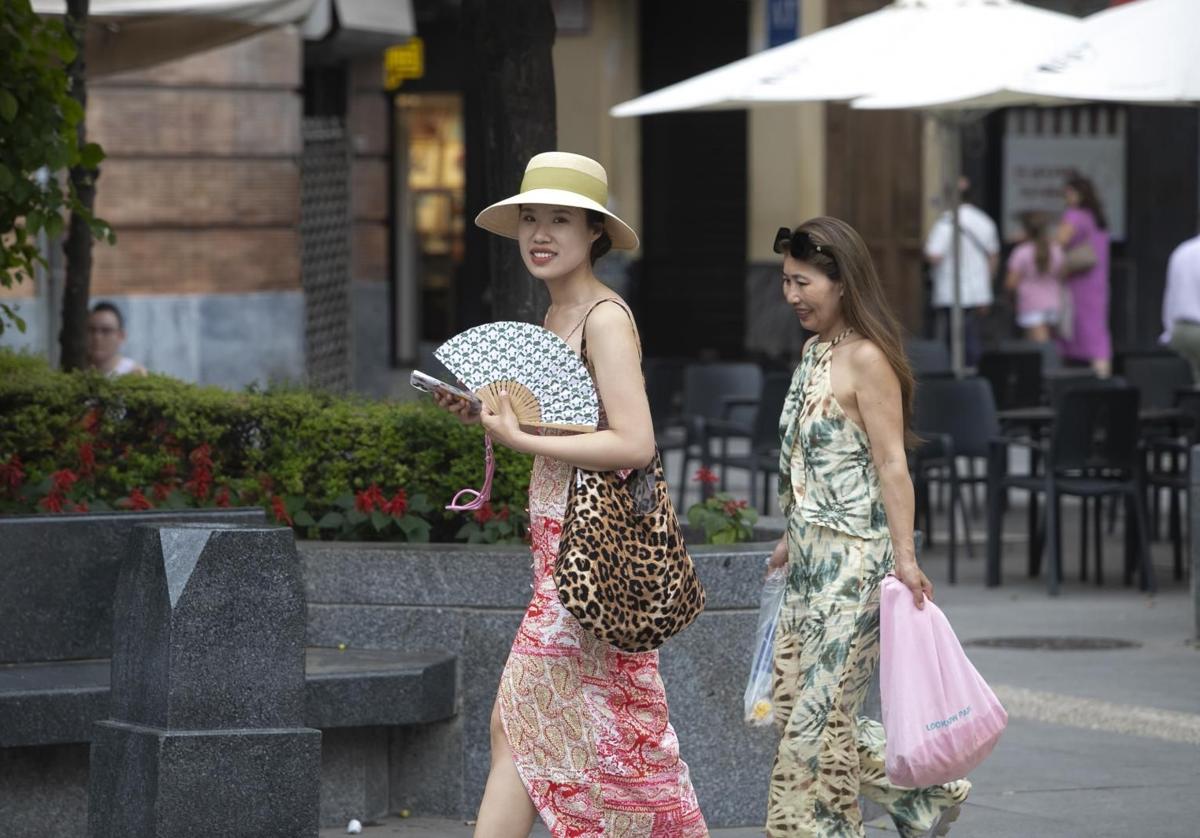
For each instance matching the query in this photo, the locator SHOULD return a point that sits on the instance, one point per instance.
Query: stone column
(206, 735)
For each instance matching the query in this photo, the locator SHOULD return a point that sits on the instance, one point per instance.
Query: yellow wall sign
(403, 61)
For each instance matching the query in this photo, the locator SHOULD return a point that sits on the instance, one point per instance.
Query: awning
(131, 34)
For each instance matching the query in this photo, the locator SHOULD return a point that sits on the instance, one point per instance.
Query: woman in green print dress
(845, 488)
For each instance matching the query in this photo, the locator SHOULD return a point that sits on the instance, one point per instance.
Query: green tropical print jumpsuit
(827, 642)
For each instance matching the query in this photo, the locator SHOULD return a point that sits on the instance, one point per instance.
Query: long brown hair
(1037, 231)
(1088, 199)
(863, 302)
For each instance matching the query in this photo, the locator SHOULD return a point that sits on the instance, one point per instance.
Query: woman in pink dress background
(1084, 222)
(580, 730)
(1034, 270)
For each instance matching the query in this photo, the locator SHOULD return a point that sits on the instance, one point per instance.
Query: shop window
(431, 196)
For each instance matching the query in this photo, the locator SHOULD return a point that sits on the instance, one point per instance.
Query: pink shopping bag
(941, 718)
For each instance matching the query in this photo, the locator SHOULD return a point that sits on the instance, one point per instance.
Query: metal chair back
(1016, 378)
(1096, 432)
(964, 410)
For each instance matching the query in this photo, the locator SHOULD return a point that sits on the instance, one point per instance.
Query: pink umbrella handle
(484, 494)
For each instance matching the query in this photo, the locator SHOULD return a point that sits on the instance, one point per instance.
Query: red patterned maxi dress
(587, 724)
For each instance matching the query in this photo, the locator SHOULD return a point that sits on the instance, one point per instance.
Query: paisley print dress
(587, 724)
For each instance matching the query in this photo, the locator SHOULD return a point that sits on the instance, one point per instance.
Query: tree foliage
(39, 123)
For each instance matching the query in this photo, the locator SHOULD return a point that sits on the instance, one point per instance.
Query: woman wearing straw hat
(580, 733)
(845, 489)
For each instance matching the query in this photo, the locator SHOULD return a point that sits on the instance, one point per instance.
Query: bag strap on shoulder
(583, 326)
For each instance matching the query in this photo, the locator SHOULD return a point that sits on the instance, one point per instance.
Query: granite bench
(58, 702)
(56, 634)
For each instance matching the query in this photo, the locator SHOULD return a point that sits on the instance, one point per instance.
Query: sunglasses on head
(799, 244)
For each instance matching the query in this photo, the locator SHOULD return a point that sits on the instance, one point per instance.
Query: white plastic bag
(758, 705)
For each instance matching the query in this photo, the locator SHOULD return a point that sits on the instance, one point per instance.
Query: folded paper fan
(547, 383)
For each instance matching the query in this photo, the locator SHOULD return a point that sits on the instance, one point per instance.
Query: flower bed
(332, 467)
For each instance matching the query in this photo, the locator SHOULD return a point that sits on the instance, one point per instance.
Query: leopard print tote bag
(623, 569)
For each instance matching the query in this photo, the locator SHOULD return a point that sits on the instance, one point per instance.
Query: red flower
(170, 470)
(706, 476)
(201, 456)
(136, 501)
(398, 505)
(87, 458)
(63, 480)
(484, 513)
(91, 421)
(12, 474)
(161, 490)
(368, 499)
(222, 497)
(81, 506)
(53, 502)
(200, 483)
(279, 510)
(504, 512)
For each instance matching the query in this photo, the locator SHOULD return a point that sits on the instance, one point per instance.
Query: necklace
(808, 379)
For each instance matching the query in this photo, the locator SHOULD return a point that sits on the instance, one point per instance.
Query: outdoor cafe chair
(956, 418)
(719, 403)
(1169, 459)
(1158, 375)
(762, 458)
(1016, 377)
(1092, 451)
(928, 358)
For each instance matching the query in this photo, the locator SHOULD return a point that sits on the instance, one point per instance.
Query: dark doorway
(690, 287)
(873, 181)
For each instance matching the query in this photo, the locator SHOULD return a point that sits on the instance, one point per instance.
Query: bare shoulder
(609, 319)
(869, 363)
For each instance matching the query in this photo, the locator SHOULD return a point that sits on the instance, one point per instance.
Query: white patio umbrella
(930, 49)
(1146, 52)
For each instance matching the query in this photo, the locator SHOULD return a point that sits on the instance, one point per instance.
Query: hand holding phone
(437, 387)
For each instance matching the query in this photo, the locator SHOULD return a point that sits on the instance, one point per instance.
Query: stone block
(209, 629)
(222, 260)
(362, 687)
(426, 768)
(51, 703)
(369, 256)
(140, 121)
(208, 699)
(354, 775)
(60, 572)
(426, 574)
(251, 337)
(469, 601)
(147, 782)
(191, 192)
(369, 189)
(705, 670)
(43, 791)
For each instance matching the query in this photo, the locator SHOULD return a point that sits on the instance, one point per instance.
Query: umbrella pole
(952, 129)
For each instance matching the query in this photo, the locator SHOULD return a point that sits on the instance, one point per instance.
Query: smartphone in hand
(436, 386)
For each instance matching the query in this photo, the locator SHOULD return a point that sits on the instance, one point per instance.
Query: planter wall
(469, 601)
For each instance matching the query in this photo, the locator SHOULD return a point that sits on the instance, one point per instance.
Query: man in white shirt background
(980, 253)
(1181, 304)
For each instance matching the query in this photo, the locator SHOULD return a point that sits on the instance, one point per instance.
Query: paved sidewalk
(1100, 744)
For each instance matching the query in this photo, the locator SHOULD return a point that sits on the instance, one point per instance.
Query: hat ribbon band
(557, 177)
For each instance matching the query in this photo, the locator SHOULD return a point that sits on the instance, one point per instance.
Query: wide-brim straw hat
(561, 179)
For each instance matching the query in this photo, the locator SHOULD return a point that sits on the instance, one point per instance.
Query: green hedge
(82, 442)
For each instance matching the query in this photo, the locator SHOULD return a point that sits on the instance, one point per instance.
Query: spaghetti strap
(582, 323)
